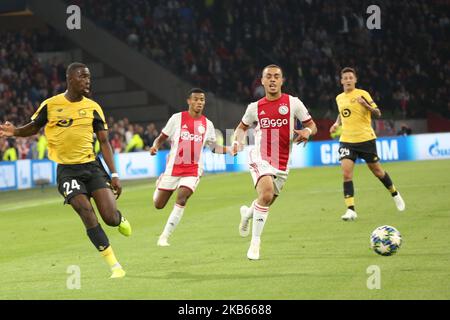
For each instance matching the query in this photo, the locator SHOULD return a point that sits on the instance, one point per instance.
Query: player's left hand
(153, 150)
(116, 187)
(302, 136)
(364, 102)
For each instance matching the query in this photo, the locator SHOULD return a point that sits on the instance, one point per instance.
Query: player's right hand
(333, 128)
(234, 148)
(116, 187)
(7, 130)
(153, 151)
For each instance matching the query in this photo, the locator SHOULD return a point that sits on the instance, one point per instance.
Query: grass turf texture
(307, 251)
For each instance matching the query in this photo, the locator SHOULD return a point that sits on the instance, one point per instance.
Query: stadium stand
(221, 46)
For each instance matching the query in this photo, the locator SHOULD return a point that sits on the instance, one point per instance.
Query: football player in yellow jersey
(357, 140)
(70, 120)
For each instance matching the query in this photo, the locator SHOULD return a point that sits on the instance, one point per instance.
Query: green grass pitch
(307, 252)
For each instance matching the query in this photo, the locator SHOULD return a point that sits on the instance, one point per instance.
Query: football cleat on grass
(399, 202)
(125, 227)
(349, 215)
(253, 251)
(244, 225)
(162, 241)
(117, 273)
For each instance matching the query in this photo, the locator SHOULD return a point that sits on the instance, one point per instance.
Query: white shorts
(171, 183)
(261, 168)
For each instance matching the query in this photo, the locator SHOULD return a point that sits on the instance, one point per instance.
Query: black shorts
(75, 179)
(366, 150)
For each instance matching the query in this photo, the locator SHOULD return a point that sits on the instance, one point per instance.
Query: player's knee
(112, 220)
(379, 173)
(266, 197)
(348, 175)
(181, 201)
(159, 204)
(84, 210)
(87, 215)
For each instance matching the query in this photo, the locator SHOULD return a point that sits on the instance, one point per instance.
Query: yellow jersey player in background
(357, 140)
(70, 120)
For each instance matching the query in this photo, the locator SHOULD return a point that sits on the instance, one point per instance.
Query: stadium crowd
(222, 45)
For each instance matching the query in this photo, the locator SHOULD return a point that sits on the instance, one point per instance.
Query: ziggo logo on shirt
(187, 136)
(273, 123)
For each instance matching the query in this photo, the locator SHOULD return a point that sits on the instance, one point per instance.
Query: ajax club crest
(201, 129)
(283, 109)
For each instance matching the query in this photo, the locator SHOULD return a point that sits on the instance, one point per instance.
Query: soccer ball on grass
(385, 240)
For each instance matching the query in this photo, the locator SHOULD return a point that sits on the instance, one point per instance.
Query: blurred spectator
(133, 38)
(3, 146)
(116, 142)
(136, 143)
(404, 130)
(23, 148)
(150, 135)
(41, 146)
(10, 153)
(219, 137)
(129, 133)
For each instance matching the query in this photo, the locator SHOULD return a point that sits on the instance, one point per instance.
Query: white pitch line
(30, 205)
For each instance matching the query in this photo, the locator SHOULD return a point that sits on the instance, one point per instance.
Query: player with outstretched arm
(70, 121)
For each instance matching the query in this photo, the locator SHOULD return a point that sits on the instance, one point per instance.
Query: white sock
(260, 214)
(250, 210)
(174, 219)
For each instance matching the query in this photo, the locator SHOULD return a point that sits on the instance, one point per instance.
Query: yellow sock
(350, 201)
(392, 189)
(110, 258)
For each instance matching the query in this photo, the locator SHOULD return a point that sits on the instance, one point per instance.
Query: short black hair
(195, 90)
(73, 66)
(271, 66)
(348, 69)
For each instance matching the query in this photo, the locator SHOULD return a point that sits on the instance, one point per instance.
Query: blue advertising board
(23, 174)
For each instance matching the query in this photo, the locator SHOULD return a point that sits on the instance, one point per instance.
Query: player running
(188, 131)
(70, 120)
(274, 116)
(357, 140)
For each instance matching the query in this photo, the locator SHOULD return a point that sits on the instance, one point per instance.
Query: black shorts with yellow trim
(366, 150)
(85, 178)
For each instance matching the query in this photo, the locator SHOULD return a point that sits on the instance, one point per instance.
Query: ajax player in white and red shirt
(274, 116)
(188, 131)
